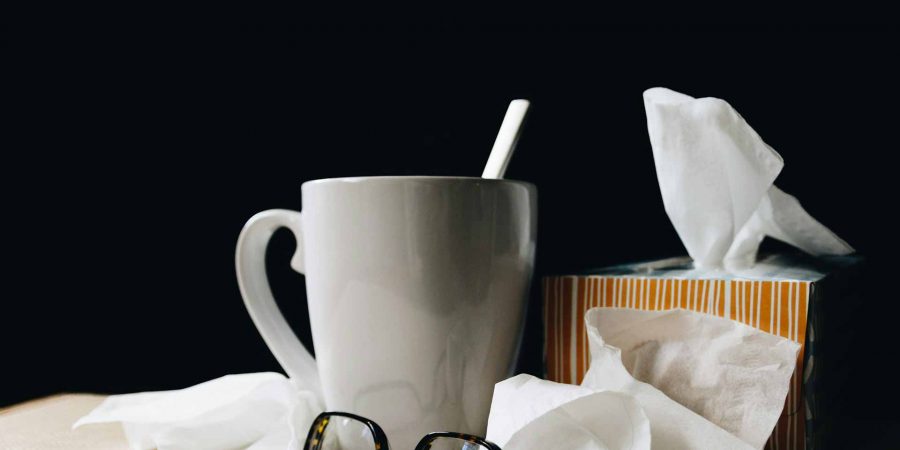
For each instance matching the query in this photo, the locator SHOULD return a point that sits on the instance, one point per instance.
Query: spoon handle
(506, 140)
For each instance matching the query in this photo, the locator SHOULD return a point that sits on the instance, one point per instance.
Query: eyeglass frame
(380, 438)
(425, 442)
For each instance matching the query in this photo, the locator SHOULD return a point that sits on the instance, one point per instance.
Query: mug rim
(435, 178)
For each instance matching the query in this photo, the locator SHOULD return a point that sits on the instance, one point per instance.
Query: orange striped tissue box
(787, 295)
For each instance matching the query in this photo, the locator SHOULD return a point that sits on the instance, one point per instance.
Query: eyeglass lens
(342, 433)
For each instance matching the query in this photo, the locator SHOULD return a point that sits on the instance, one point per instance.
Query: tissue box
(812, 301)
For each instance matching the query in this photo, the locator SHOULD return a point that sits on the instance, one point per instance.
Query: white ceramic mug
(417, 290)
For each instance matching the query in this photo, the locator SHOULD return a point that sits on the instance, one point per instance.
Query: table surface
(47, 424)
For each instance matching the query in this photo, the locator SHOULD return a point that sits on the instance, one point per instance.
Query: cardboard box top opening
(773, 267)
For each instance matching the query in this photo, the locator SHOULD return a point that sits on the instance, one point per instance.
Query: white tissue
(534, 413)
(734, 375)
(526, 411)
(716, 177)
(258, 411)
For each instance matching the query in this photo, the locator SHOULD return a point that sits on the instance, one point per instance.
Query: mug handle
(250, 265)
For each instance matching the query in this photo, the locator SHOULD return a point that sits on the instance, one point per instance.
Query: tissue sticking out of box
(716, 176)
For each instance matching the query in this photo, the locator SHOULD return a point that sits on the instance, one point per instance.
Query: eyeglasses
(345, 431)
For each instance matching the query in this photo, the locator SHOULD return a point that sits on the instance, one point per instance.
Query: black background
(143, 152)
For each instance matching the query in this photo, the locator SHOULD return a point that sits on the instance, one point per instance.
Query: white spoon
(506, 140)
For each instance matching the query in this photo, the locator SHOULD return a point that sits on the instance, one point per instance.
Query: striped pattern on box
(778, 307)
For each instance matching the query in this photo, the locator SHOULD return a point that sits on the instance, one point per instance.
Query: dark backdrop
(145, 150)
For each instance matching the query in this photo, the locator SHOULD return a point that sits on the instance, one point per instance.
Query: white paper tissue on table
(716, 177)
(525, 410)
(258, 411)
(532, 413)
(734, 375)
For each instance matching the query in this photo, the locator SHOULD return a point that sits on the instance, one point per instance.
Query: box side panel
(835, 315)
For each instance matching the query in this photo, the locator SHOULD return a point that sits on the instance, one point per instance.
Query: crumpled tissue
(716, 176)
(257, 411)
(708, 383)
